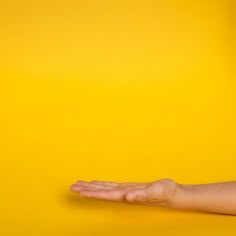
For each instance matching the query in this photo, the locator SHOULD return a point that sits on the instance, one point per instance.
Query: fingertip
(73, 188)
(130, 197)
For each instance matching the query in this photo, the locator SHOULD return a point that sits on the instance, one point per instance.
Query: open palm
(157, 192)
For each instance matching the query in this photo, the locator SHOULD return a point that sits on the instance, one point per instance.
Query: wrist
(183, 196)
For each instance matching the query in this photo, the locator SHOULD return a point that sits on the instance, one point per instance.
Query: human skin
(214, 197)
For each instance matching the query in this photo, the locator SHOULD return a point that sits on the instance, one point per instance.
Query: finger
(131, 188)
(76, 188)
(111, 195)
(104, 183)
(92, 185)
(113, 185)
(133, 185)
(129, 184)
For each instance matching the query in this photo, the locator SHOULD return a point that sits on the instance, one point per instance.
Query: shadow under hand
(76, 201)
(73, 200)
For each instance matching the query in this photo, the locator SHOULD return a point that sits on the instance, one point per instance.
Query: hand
(159, 192)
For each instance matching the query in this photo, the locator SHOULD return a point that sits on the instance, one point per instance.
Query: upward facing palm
(157, 192)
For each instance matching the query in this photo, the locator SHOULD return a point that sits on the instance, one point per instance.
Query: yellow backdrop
(113, 90)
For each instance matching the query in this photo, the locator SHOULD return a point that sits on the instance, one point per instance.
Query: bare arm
(216, 197)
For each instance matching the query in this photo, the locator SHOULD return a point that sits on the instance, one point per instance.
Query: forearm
(217, 197)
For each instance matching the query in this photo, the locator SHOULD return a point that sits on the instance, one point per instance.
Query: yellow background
(113, 90)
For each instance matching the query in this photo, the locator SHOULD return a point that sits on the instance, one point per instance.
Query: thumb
(138, 195)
